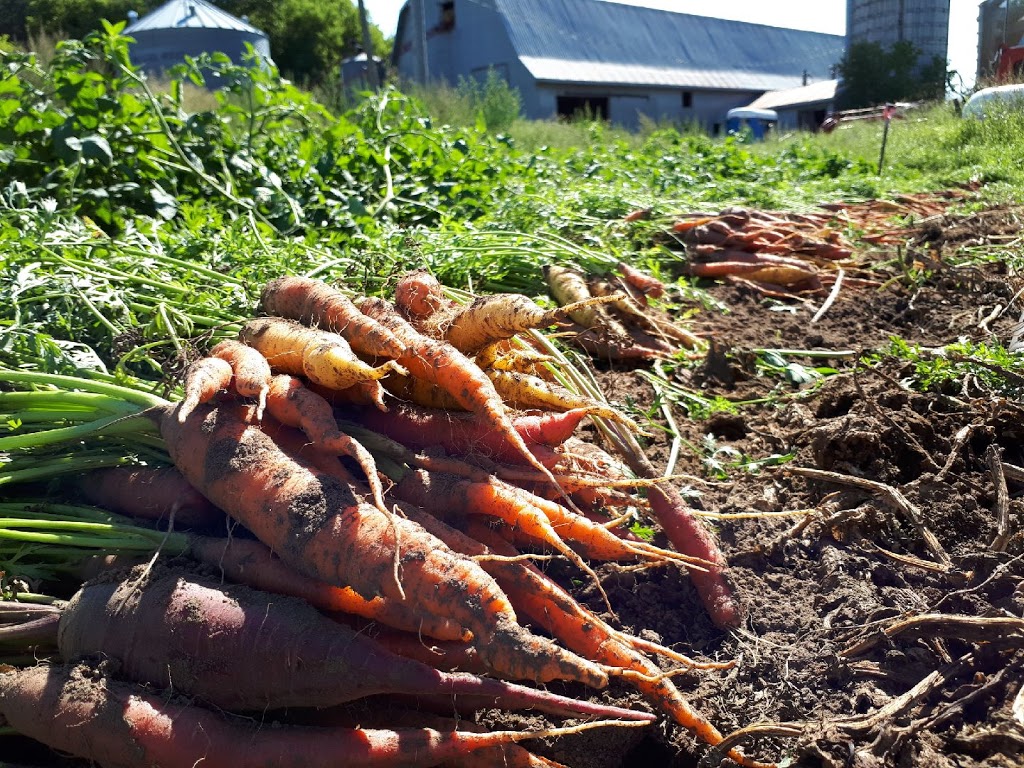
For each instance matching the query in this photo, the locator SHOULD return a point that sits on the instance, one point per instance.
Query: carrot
(691, 537)
(521, 390)
(251, 370)
(292, 404)
(443, 494)
(443, 365)
(549, 606)
(116, 725)
(419, 296)
(568, 286)
(647, 284)
(506, 356)
(321, 356)
(316, 525)
(150, 493)
(597, 542)
(251, 563)
(315, 303)
(465, 434)
(503, 315)
(157, 624)
(203, 380)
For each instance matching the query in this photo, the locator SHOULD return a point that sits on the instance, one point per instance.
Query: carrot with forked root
(294, 405)
(251, 370)
(315, 303)
(203, 380)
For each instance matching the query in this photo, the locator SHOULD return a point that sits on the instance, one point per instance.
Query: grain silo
(925, 23)
(183, 28)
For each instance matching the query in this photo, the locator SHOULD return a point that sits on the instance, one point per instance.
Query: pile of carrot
(788, 254)
(626, 326)
(399, 470)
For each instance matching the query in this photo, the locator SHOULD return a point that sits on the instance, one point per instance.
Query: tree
(873, 74)
(308, 38)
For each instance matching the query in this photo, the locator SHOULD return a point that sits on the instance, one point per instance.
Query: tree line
(308, 38)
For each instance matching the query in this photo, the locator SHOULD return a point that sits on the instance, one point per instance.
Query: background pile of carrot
(787, 254)
(404, 467)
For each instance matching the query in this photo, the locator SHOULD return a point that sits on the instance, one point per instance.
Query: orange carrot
(315, 303)
(549, 606)
(647, 284)
(250, 368)
(419, 296)
(203, 380)
(443, 494)
(449, 369)
(292, 404)
(317, 525)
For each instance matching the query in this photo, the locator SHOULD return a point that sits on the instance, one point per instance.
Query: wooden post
(887, 113)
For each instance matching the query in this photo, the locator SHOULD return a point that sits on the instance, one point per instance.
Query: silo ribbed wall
(925, 23)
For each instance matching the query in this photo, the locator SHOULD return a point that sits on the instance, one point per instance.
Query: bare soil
(876, 647)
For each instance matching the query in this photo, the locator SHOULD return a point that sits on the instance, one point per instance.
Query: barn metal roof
(587, 41)
(194, 14)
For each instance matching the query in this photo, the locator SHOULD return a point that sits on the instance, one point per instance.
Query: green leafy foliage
(875, 74)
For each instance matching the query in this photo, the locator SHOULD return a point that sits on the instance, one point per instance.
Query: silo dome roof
(196, 14)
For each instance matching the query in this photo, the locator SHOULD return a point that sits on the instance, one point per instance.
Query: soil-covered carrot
(251, 370)
(315, 303)
(293, 404)
(323, 357)
(318, 526)
(203, 380)
(78, 711)
(419, 296)
(158, 624)
(251, 563)
(150, 493)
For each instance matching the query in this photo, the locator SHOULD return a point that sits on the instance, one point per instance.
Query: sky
(818, 16)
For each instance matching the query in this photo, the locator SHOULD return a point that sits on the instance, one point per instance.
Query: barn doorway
(582, 107)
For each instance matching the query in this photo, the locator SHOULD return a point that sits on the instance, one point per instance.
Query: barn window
(687, 99)
(586, 107)
(447, 22)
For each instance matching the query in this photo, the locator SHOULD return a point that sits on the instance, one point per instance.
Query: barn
(616, 61)
(181, 28)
